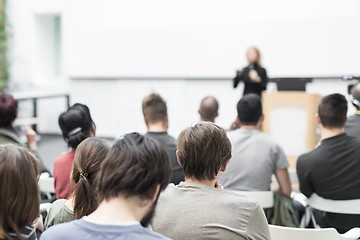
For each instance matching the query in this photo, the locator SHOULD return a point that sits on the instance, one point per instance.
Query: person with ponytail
(84, 200)
(76, 125)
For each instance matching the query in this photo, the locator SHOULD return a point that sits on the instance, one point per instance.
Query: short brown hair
(135, 165)
(332, 111)
(19, 198)
(203, 150)
(87, 161)
(154, 108)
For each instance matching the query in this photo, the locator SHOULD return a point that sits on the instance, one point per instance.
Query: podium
(290, 120)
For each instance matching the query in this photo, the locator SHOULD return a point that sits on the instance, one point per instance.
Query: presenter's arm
(264, 78)
(239, 77)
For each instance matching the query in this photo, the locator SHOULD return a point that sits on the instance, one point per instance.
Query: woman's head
(254, 56)
(8, 110)
(87, 161)
(19, 198)
(76, 124)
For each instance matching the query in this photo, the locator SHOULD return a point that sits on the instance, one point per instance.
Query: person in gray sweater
(199, 208)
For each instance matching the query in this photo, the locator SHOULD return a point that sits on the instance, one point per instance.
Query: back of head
(76, 124)
(202, 150)
(154, 109)
(355, 92)
(332, 111)
(19, 196)
(209, 107)
(135, 166)
(87, 161)
(249, 109)
(8, 110)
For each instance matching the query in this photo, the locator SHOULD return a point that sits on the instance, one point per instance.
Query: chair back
(286, 233)
(334, 206)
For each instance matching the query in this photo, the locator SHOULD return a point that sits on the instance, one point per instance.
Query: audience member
(133, 174)
(332, 170)
(156, 119)
(87, 161)
(76, 125)
(208, 110)
(352, 126)
(198, 208)
(8, 134)
(19, 196)
(255, 155)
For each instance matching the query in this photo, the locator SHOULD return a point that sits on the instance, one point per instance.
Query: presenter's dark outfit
(251, 86)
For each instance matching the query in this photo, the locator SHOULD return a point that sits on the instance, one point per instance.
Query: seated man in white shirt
(196, 208)
(255, 155)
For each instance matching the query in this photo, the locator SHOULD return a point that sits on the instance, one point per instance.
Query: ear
(177, 157)
(223, 168)
(318, 120)
(156, 192)
(346, 120)
(217, 114)
(262, 118)
(199, 111)
(93, 130)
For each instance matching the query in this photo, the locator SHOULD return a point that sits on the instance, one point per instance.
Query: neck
(251, 127)
(157, 127)
(328, 133)
(210, 183)
(119, 209)
(207, 120)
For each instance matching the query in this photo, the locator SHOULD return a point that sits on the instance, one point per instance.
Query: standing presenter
(254, 75)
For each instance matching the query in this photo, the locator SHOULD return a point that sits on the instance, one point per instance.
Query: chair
(265, 198)
(286, 233)
(46, 186)
(334, 206)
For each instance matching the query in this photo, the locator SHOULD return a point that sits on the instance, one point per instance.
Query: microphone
(252, 66)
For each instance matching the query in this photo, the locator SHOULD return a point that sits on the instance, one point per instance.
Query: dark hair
(332, 111)
(135, 165)
(249, 109)
(76, 124)
(209, 107)
(203, 150)
(19, 196)
(8, 110)
(87, 161)
(154, 108)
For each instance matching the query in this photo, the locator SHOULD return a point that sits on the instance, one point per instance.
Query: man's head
(209, 107)
(249, 110)
(155, 110)
(332, 111)
(137, 167)
(8, 110)
(355, 91)
(203, 151)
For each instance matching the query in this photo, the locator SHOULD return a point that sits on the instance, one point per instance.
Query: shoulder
(69, 230)
(68, 156)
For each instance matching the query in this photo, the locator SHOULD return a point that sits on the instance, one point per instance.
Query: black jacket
(249, 85)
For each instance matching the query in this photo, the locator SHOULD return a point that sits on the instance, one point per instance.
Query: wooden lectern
(290, 120)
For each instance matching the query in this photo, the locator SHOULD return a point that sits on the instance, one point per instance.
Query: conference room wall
(116, 104)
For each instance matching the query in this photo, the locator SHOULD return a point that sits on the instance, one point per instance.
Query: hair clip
(75, 131)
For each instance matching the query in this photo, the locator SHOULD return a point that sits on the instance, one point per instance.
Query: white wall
(116, 104)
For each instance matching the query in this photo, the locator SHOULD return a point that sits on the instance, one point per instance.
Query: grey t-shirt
(83, 229)
(196, 211)
(255, 157)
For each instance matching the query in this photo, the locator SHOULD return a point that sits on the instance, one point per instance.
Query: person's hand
(253, 75)
(218, 185)
(31, 138)
(235, 125)
(38, 224)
